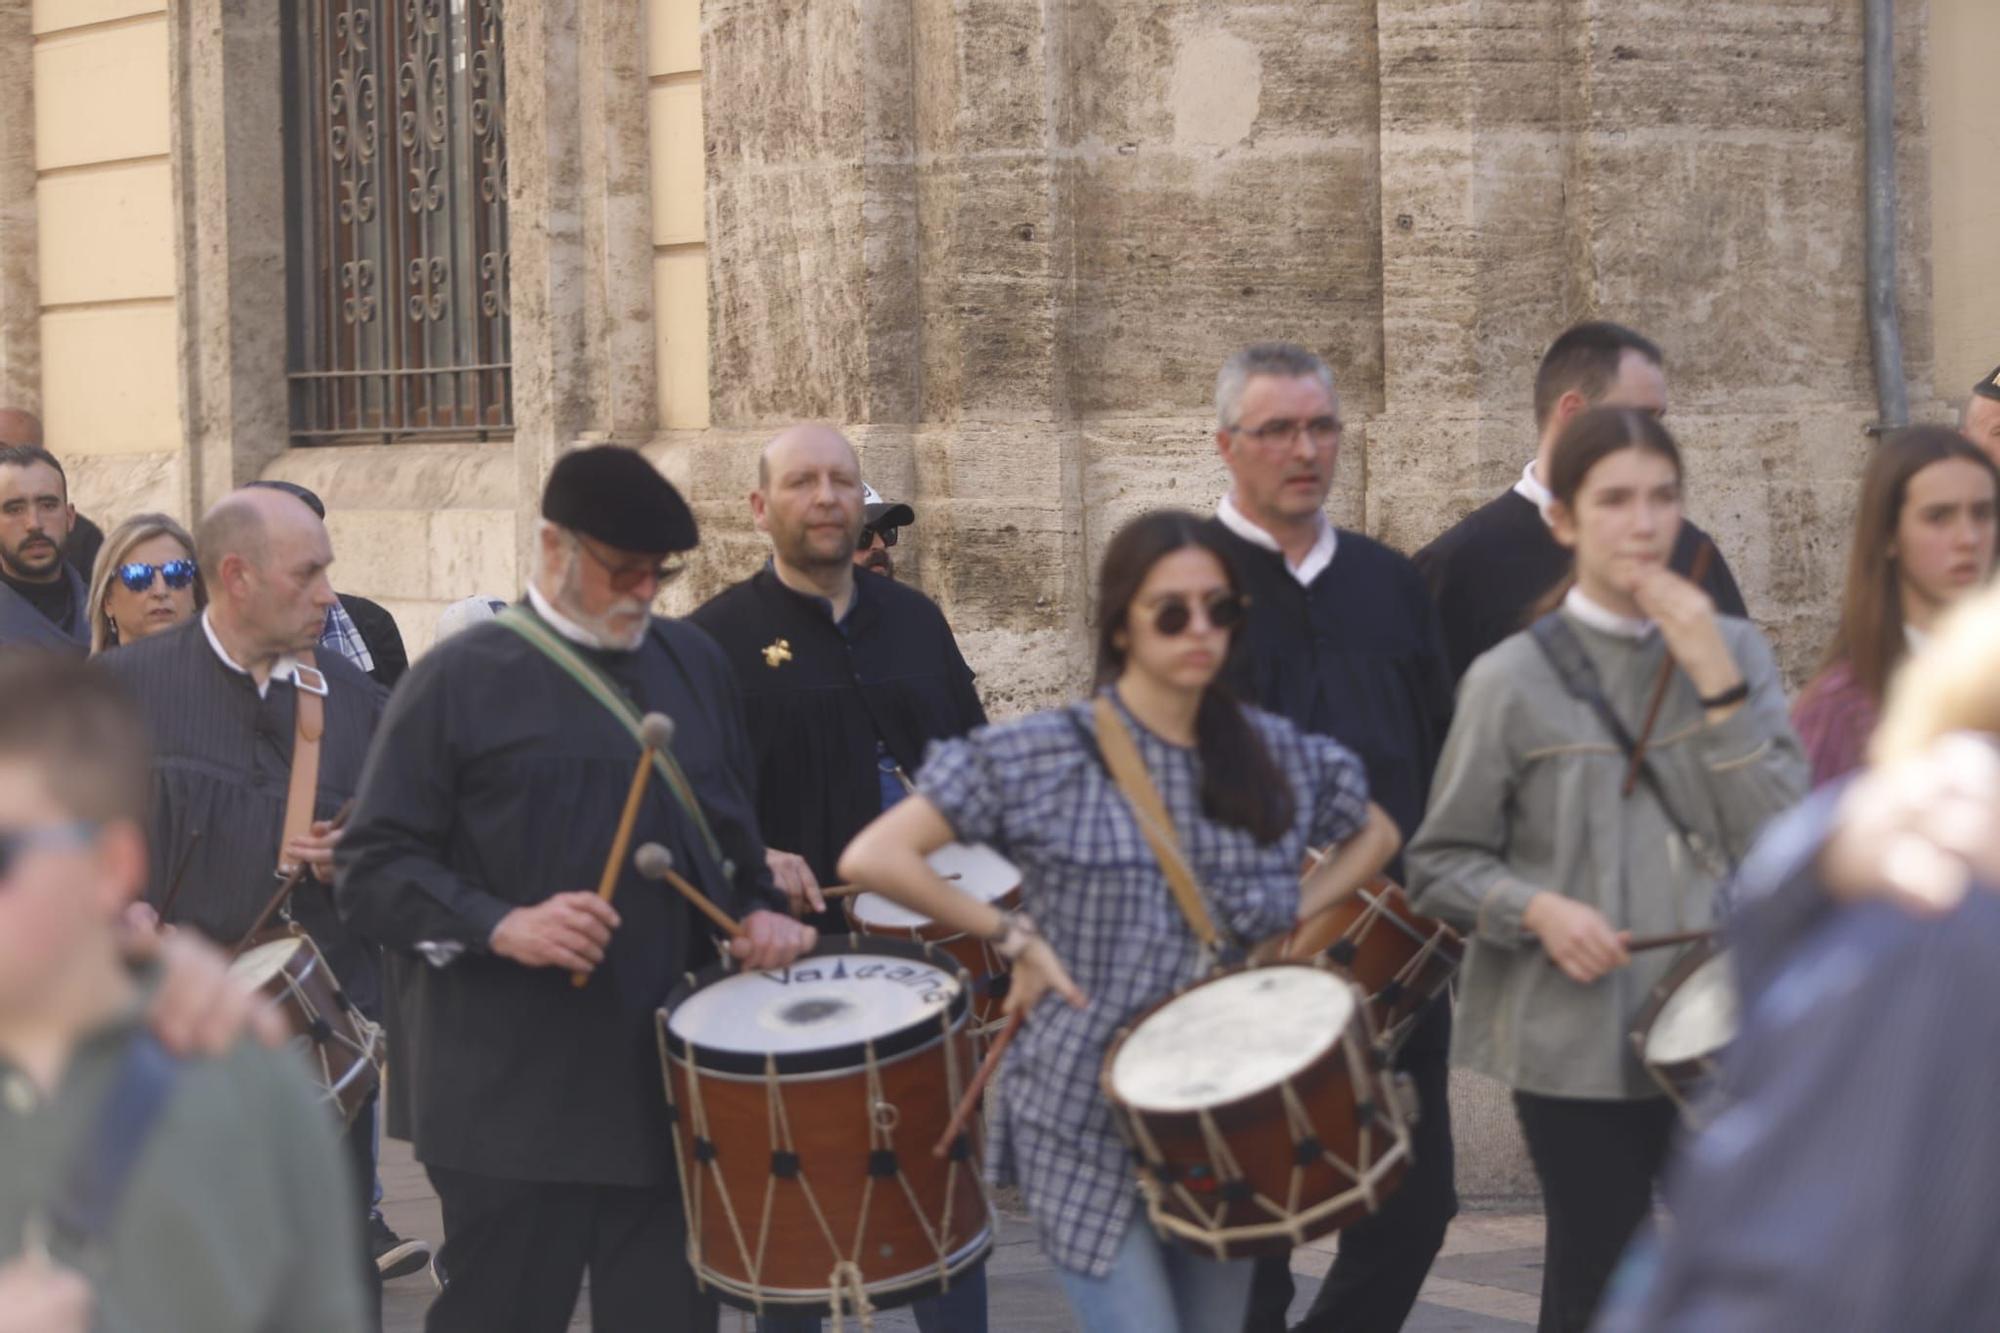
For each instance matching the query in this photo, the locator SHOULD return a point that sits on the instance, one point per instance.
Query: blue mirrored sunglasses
(138, 576)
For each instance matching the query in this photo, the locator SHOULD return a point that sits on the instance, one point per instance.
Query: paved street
(1487, 1278)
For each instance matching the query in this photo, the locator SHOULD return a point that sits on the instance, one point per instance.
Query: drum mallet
(656, 862)
(969, 1103)
(656, 735)
(1641, 943)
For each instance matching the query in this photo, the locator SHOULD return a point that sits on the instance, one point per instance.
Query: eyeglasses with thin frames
(1279, 433)
(625, 577)
(1172, 615)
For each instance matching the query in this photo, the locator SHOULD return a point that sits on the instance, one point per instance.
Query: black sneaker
(394, 1256)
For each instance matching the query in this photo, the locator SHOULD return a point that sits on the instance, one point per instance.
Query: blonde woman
(146, 580)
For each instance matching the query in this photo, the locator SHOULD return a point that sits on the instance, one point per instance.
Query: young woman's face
(1623, 522)
(1943, 547)
(1188, 587)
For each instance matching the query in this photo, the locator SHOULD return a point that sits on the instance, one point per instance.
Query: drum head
(1231, 1038)
(819, 1012)
(260, 964)
(1698, 1019)
(981, 872)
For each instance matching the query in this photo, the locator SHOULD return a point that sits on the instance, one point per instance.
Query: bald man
(220, 695)
(846, 676)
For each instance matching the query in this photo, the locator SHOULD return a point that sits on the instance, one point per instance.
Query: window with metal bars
(396, 207)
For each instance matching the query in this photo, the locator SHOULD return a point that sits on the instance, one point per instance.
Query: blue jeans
(1157, 1287)
(960, 1310)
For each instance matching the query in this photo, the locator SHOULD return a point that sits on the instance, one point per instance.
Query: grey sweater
(1527, 798)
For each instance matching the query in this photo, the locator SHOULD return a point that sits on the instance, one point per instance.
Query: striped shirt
(1035, 791)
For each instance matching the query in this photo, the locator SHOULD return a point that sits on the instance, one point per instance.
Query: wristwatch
(1735, 695)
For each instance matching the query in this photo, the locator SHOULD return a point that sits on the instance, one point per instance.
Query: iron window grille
(396, 207)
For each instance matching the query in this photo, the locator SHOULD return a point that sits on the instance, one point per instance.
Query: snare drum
(341, 1046)
(805, 1103)
(1403, 961)
(1687, 1022)
(987, 876)
(1256, 1104)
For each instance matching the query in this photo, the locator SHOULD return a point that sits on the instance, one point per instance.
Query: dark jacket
(22, 626)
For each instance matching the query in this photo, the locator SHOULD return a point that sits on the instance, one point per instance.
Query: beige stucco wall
(105, 260)
(1965, 189)
(680, 257)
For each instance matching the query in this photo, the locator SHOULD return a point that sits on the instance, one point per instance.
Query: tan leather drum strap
(1128, 770)
(310, 687)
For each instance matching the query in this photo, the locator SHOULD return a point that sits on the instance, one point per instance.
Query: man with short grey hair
(1340, 639)
(1979, 419)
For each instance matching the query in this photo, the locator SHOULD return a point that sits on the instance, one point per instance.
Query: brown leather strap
(310, 687)
(1135, 780)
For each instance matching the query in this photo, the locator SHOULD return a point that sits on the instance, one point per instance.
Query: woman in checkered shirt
(1101, 937)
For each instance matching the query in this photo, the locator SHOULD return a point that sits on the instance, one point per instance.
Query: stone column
(228, 165)
(579, 208)
(20, 288)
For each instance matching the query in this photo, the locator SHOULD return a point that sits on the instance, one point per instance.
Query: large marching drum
(342, 1048)
(1686, 1024)
(987, 876)
(1259, 1110)
(805, 1102)
(1402, 960)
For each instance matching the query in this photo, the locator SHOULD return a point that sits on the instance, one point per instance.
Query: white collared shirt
(1316, 560)
(559, 622)
(1530, 488)
(286, 668)
(1914, 639)
(1603, 618)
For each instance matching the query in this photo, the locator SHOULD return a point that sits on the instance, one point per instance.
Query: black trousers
(515, 1252)
(1383, 1259)
(1598, 1162)
(359, 1142)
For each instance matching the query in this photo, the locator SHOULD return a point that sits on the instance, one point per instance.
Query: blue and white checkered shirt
(1035, 791)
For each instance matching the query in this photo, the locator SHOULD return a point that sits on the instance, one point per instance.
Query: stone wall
(1009, 245)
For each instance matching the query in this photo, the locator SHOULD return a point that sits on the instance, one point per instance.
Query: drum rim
(708, 1059)
(1697, 956)
(1693, 968)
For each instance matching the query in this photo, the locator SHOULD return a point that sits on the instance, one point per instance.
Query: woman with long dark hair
(1533, 848)
(1101, 936)
(1923, 540)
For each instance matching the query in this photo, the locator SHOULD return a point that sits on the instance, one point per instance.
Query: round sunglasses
(138, 575)
(1172, 615)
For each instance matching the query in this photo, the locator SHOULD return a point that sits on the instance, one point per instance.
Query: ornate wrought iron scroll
(396, 194)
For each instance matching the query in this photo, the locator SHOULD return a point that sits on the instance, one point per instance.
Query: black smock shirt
(818, 705)
(1355, 656)
(1488, 572)
(496, 782)
(222, 767)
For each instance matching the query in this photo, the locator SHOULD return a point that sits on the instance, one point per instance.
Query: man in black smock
(1488, 572)
(846, 675)
(1340, 639)
(220, 698)
(486, 812)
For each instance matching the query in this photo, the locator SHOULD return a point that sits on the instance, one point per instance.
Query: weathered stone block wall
(1009, 245)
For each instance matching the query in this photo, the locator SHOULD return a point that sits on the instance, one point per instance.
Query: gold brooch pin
(777, 653)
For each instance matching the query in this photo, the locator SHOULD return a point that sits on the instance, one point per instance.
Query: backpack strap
(1565, 652)
(100, 1166)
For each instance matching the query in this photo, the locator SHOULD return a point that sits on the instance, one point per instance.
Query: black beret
(1990, 386)
(613, 495)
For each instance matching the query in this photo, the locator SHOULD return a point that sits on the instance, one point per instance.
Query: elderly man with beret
(486, 811)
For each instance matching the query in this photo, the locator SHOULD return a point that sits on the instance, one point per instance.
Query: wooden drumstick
(969, 1103)
(849, 890)
(179, 877)
(1641, 943)
(1696, 573)
(656, 733)
(656, 862)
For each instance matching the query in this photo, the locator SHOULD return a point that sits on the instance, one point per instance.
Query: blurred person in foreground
(1853, 1178)
(148, 581)
(139, 1190)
